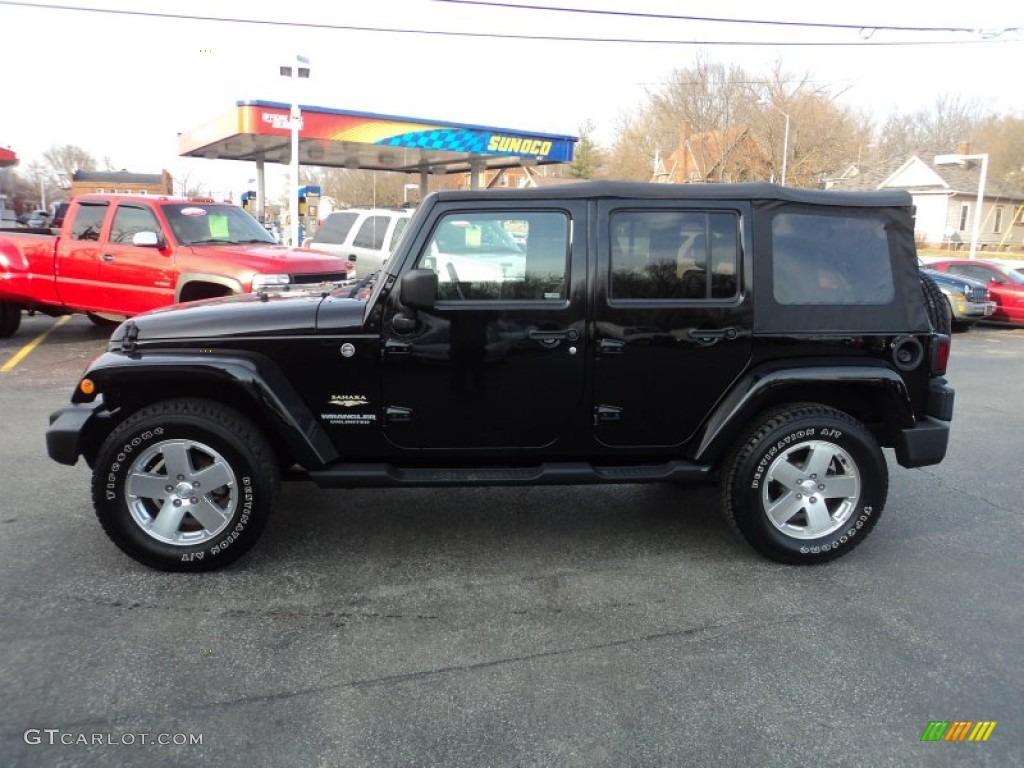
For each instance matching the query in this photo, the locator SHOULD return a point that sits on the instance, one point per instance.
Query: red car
(1005, 285)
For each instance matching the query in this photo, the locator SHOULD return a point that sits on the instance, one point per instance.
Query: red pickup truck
(119, 255)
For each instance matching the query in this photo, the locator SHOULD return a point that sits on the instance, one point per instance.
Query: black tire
(10, 319)
(135, 484)
(936, 305)
(823, 514)
(104, 321)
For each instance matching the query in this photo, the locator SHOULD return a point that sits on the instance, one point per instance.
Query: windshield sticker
(219, 227)
(193, 211)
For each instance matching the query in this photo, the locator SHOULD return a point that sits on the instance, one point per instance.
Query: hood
(953, 280)
(269, 258)
(218, 322)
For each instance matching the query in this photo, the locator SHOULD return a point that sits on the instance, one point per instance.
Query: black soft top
(754, 191)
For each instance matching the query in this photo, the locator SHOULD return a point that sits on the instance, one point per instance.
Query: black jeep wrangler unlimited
(771, 339)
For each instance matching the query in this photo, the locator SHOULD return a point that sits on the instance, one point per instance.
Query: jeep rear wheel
(185, 485)
(805, 485)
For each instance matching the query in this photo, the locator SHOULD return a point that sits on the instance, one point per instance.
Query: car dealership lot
(545, 626)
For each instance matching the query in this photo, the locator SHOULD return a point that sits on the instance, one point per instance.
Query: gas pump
(309, 209)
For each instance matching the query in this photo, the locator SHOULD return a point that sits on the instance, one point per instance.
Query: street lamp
(961, 159)
(785, 137)
(296, 124)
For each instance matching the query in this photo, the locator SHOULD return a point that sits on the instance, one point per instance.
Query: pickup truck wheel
(101, 320)
(10, 319)
(805, 485)
(185, 485)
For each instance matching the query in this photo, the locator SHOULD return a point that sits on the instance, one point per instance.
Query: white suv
(365, 236)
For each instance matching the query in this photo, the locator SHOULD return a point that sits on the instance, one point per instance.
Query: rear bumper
(65, 439)
(925, 443)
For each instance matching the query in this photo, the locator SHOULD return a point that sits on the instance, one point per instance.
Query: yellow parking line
(24, 351)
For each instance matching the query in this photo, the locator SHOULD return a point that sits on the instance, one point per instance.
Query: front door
(498, 361)
(672, 318)
(136, 278)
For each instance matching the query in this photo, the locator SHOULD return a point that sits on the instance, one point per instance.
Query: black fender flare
(759, 389)
(252, 375)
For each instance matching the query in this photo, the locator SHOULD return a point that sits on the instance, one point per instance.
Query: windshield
(214, 224)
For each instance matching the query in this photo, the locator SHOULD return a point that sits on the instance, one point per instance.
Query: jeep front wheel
(805, 485)
(185, 485)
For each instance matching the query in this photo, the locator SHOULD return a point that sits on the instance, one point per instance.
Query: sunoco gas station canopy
(7, 158)
(260, 131)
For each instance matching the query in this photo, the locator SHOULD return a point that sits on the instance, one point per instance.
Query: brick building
(85, 182)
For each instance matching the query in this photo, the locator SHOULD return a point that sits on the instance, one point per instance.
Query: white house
(946, 196)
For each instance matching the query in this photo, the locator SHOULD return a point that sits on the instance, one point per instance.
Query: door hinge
(394, 414)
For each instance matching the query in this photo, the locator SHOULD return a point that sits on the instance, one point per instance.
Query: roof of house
(920, 172)
(119, 177)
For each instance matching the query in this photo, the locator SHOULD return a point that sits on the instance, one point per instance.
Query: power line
(722, 20)
(490, 35)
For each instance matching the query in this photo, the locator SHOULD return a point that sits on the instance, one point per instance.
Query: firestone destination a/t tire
(805, 485)
(185, 485)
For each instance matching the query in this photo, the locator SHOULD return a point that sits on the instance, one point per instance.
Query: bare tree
(632, 154)
(1003, 138)
(950, 122)
(61, 162)
(361, 187)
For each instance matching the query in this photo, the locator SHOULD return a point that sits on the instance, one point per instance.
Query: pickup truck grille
(977, 294)
(316, 278)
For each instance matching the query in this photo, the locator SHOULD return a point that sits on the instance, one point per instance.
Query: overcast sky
(123, 86)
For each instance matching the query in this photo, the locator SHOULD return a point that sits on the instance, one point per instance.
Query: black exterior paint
(588, 382)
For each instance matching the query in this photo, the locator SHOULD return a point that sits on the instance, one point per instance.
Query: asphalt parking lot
(619, 626)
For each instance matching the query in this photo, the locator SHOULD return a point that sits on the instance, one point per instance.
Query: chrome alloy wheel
(181, 492)
(811, 490)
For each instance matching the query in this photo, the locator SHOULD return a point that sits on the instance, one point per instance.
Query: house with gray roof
(946, 196)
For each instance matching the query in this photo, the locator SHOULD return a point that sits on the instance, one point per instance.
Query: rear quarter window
(335, 228)
(88, 221)
(830, 259)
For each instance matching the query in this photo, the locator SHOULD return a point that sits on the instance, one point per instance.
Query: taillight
(942, 345)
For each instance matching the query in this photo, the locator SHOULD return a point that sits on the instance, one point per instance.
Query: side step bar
(551, 473)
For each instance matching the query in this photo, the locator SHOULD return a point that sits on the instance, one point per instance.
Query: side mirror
(418, 289)
(148, 239)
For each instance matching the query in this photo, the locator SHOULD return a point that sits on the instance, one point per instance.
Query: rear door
(672, 318)
(498, 362)
(136, 278)
(78, 256)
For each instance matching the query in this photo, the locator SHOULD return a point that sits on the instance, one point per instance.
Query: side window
(400, 226)
(88, 221)
(129, 220)
(371, 233)
(978, 273)
(476, 257)
(669, 254)
(830, 259)
(335, 228)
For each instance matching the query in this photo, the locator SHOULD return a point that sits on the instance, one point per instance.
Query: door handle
(706, 335)
(611, 346)
(107, 257)
(571, 334)
(393, 348)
